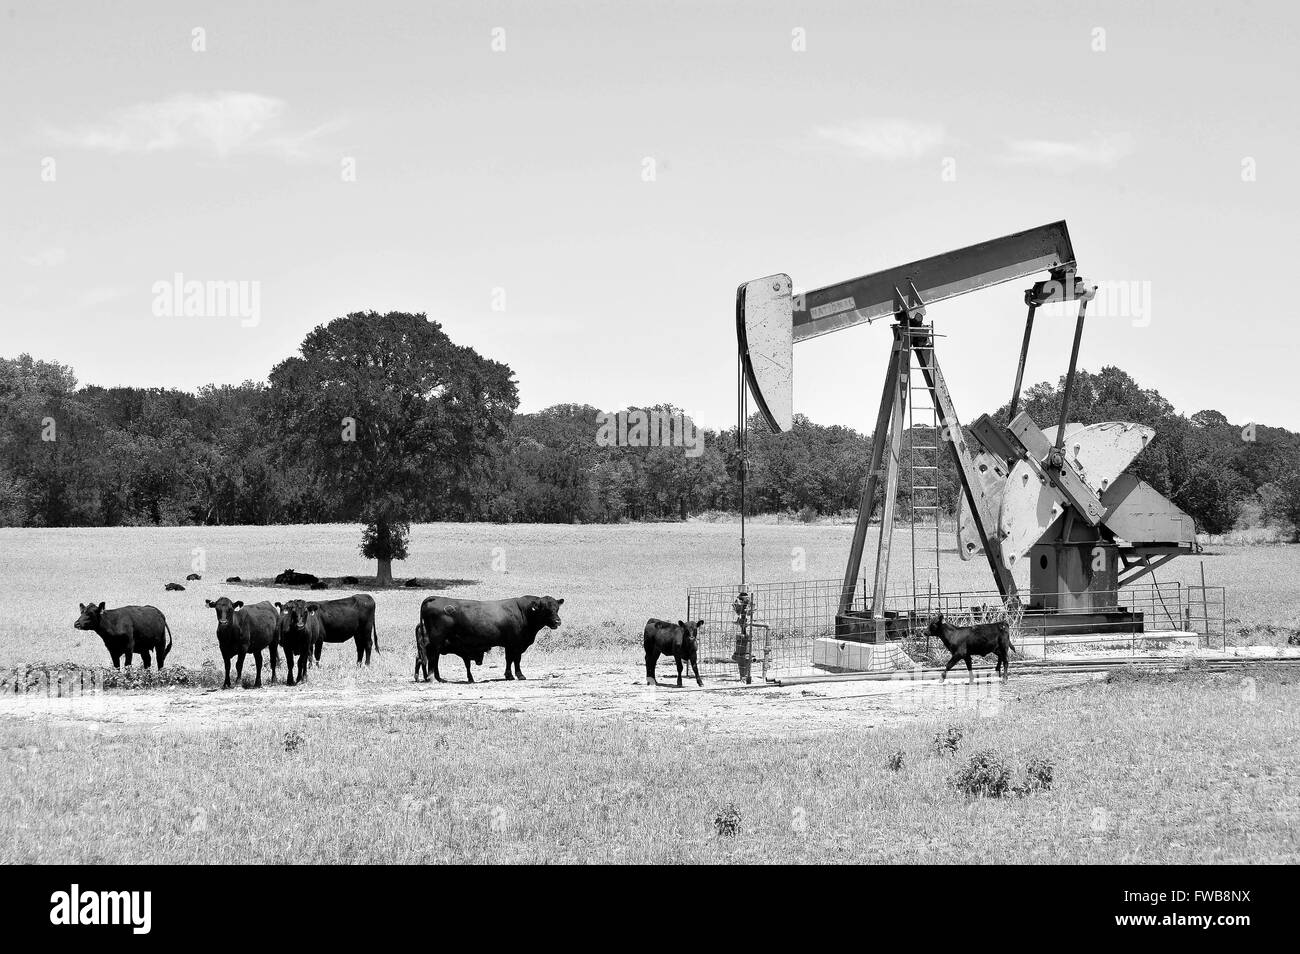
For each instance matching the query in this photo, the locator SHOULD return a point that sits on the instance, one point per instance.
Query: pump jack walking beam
(770, 319)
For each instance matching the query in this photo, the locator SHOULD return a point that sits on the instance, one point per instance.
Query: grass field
(582, 762)
(1176, 771)
(612, 577)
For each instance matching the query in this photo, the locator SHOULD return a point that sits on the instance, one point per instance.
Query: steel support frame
(886, 448)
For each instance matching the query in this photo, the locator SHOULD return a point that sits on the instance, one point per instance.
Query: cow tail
(374, 630)
(169, 635)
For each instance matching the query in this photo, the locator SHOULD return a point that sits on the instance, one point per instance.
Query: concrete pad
(843, 655)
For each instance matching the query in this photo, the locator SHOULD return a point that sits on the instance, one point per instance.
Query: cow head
(545, 611)
(89, 618)
(690, 637)
(295, 614)
(935, 630)
(225, 610)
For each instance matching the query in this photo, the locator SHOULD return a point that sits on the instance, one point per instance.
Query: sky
(578, 188)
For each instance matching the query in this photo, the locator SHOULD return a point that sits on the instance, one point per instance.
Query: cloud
(1098, 151)
(46, 258)
(885, 139)
(100, 296)
(222, 123)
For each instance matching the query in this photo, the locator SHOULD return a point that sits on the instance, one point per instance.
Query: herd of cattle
(466, 628)
(299, 628)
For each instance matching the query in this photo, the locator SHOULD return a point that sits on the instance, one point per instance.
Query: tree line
(383, 420)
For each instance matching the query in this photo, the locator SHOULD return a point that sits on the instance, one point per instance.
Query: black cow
(128, 630)
(301, 632)
(679, 640)
(469, 628)
(294, 578)
(351, 617)
(421, 652)
(967, 641)
(422, 655)
(246, 629)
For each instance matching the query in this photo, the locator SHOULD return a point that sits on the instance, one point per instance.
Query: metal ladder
(923, 477)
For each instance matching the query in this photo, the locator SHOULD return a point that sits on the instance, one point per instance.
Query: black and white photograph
(650, 433)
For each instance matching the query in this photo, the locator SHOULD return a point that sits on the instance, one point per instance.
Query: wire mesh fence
(783, 630)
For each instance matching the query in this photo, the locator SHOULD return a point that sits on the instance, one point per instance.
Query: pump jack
(1063, 498)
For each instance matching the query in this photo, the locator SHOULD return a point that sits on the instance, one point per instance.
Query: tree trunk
(384, 575)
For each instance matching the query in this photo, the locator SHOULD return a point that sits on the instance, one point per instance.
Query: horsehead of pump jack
(1061, 497)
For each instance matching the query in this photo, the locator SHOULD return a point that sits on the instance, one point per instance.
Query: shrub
(986, 775)
(895, 762)
(727, 821)
(948, 741)
(1038, 776)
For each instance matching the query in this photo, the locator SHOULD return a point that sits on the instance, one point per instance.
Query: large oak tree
(393, 419)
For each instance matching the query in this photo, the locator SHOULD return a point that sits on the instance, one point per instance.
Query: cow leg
(519, 673)
(437, 673)
(695, 668)
(510, 658)
(951, 662)
(469, 675)
(970, 672)
(227, 659)
(678, 660)
(1005, 666)
(302, 667)
(369, 646)
(275, 660)
(288, 666)
(117, 660)
(144, 658)
(257, 657)
(239, 668)
(319, 644)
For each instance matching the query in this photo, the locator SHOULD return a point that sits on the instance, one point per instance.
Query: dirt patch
(595, 693)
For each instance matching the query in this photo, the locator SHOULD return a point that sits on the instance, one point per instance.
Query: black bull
(469, 628)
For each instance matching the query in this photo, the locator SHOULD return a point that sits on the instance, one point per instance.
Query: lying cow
(469, 628)
(351, 617)
(967, 641)
(301, 632)
(128, 630)
(294, 578)
(679, 640)
(246, 629)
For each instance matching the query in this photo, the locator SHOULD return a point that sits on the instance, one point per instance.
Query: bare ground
(588, 692)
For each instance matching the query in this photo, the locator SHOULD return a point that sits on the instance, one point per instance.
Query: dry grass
(612, 577)
(1186, 768)
(1182, 771)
